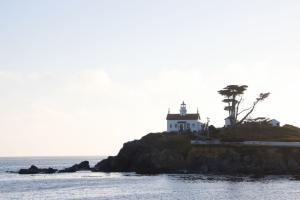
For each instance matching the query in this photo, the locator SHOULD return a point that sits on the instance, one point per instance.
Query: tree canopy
(233, 97)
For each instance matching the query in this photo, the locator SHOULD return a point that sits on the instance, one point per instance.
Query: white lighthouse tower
(183, 109)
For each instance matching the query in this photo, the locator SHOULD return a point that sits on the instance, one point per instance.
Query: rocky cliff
(169, 153)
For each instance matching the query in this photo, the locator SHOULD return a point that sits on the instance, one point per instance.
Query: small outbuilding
(274, 123)
(227, 122)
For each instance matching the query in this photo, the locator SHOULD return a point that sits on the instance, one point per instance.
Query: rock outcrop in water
(35, 170)
(83, 166)
(172, 153)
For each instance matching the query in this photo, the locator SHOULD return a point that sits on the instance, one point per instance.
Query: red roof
(183, 117)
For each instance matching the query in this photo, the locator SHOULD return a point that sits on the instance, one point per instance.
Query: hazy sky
(83, 77)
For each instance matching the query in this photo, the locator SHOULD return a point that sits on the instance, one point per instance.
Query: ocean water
(89, 185)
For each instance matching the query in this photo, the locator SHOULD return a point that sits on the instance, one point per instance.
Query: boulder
(77, 167)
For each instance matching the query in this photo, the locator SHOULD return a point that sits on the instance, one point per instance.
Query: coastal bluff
(174, 153)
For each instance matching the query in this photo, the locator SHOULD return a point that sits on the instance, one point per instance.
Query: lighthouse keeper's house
(184, 121)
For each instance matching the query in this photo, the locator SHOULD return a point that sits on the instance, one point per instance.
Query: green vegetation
(287, 133)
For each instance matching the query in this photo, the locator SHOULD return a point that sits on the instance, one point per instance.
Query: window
(193, 125)
(170, 125)
(188, 125)
(175, 125)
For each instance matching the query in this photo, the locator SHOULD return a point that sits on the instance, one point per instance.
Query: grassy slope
(262, 133)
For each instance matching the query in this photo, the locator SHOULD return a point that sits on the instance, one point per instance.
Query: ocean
(131, 186)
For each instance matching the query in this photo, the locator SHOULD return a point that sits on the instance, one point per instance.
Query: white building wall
(173, 126)
(274, 122)
(227, 122)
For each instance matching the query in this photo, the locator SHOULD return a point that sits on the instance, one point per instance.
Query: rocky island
(174, 153)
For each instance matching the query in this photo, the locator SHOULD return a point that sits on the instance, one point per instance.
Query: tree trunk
(245, 117)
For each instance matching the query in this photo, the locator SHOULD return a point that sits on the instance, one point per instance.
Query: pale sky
(83, 77)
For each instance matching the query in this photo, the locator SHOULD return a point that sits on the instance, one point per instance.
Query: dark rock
(154, 153)
(104, 166)
(35, 170)
(173, 153)
(296, 177)
(77, 167)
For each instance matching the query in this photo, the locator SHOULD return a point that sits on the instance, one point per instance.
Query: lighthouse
(184, 121)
